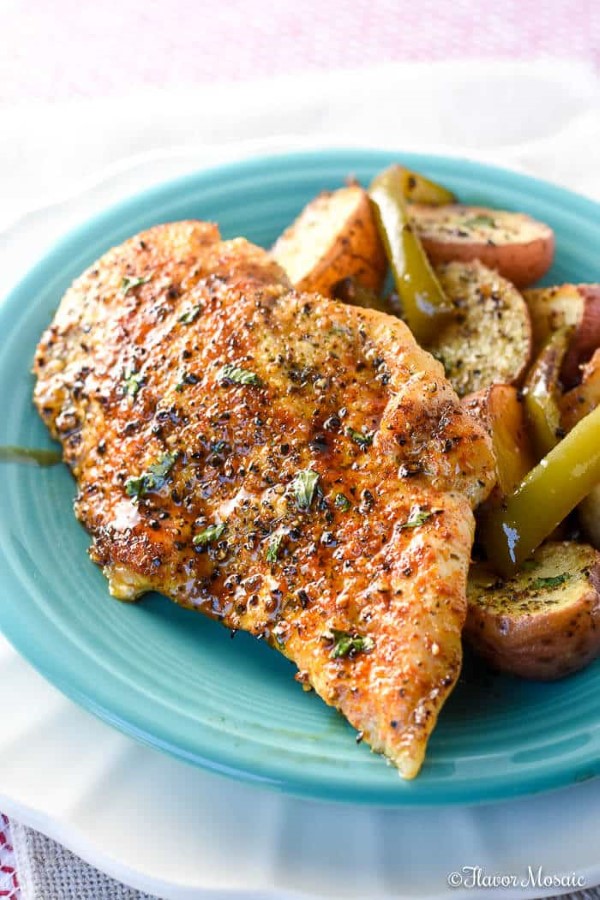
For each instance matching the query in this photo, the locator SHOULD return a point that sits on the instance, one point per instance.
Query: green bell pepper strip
(424, 303)
(511, 532)
(540, 395)
(418, 189)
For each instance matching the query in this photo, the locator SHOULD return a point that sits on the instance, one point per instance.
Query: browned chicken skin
(291, 466)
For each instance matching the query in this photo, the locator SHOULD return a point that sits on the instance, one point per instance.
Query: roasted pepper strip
(424, 303)
(541, 393)
(510, 533)
(418, 189)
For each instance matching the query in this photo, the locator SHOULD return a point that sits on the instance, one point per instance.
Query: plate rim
(81, 836)
(135, 727)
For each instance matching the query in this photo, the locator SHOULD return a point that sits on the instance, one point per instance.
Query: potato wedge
(515, 245)
(574, 306)
(489, 339)
(500, 410)
(334, 237)
(544, 622)
(580, 400)
(575, 404)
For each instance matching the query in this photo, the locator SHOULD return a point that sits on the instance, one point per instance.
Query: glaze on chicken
(289, 465)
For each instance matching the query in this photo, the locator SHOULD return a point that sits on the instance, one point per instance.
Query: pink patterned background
(69, 48)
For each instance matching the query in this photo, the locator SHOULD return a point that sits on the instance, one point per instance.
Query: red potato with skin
(581, 400)
(574, 405)
(335, 237)
(544, 622)
(500, 409)
(520, 248)
(567, 305)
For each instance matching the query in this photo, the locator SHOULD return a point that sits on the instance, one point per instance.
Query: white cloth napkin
(542, 117)
(48, 871)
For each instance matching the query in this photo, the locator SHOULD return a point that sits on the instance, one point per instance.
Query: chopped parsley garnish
(153, 479)
(349, 644)
(304, 486)
(550, 581)
(479, 221)
(132, 382)
(273, 548)
(359, 437)
(232, 374)
(342, 502)
(417, 517)
(191, 315)
(210, 534)
(128, 284)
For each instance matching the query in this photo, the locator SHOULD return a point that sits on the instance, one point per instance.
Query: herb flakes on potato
(489, 339)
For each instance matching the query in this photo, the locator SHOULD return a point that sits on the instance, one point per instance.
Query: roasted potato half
(575, 306)
(574, 405)
(581, 400)
(515, 245)
(500, 410)
(544, 622)
(488, 341)
(333, 238)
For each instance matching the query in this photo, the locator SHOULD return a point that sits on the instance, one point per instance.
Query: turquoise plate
(176, 680)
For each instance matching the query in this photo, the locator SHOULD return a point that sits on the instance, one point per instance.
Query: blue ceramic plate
(176, 680)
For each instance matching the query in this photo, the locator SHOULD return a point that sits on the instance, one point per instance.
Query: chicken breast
(288, 465)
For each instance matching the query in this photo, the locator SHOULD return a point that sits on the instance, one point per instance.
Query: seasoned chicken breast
(288, 465)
